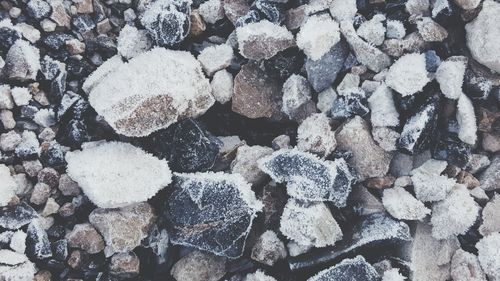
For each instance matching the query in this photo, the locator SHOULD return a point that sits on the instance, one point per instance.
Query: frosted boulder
(428, 182)
(402, 205)
(489, 256)
(9, 186)
(450, 75)
(318, 35)
(132, 42)
(408, 74)
(316, 136)
(482, 35)
(383, 110)
(212, 212)
(147, 95)
(309, 224)
(308, 177)
(466, 119)
(349, 269)
(101, 171)
(22, 61)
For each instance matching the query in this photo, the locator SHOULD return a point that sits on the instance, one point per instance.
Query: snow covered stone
(268, 248)
(408, 74)
(296, 94)
(24, 271)
(37, 241)
(132, 42)
(167, 21)
(315, 135)
(147, 95)
(393, 275)
(258, 276)
(450, 75)
(6, 100)
(385, 137)
(212, 10)
(18, 241)
(489, 256)
(430, 30)
(466, 119)
(349, 269)
(352, 102)
(9, 257)
(419, 128)
(101, 168)
(490, 216)
(21, 95)
(17, 216)
(263, 39)
(215, 58)
(22, 61)
(455, 214)
(245, 162)
(343, 10)
(348, 83)
(199, 266)
(465, 267)
(318, 35)
(482, 36)
(222, 86)
(402, 205)
(326, 99)
(9, 186)
(212, 212)
(309, 224)
(395, 29)
(490, 178)
(308, 177)
(428, 182)
(373, 31)
(383, 110)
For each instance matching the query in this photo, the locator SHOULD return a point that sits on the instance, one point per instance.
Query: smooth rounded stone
(418, 130)
(245, 162)
(373, 31)
(124, 228)
(491, 217)
(482, 35)
(211, 212)
(212, 10)
(22, 61)
(322, 73)
(489, 258)
(18, 241)
(124, 265)
(144, 86)
(368, 159)
(349, 269)
(309, 224)
(167, 21)
(263, 40)
(315, 135)
(37, 241)
(326, 98)
(41, 193)
(408, 74)
(9, 187)
(222, 86)
(352, 102)
(318, 35)
(67, 186)
(465, 267)
(268, 248)
(256, 94)
(450, 75)
(132, 42)
(402, 205)
(429, 184)
(382, 107)
(490, 178)
(296, 94)
(17, 216)
(99, 169)
(258, 276)
(199, 266)
(466, 119)
(85, 236)
(215, 58)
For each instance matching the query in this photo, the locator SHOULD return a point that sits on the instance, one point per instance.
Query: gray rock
(245, 162)
(22, 61)
(268, 248)
(465, 267)
(199, 266)
(37, 241)
(490, 178)
(17, 216)
(85, 236)
(349, 269)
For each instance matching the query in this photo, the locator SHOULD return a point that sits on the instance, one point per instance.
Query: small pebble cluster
(250, 140)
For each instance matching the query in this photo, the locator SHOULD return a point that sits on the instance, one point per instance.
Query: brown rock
(380, 182)
(49, 176)
(124, 265)
(488, 121)
(198, 26)
(199, 266)
(84, 7)
(85, 236)
(234, 9)
(59, 14)
(43, 275)
(77, 259)
(67, 186)
(467, 179)
(67, 210)
(491, 142)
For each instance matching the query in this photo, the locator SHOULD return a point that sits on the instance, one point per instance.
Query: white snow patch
(408, 74)
(450, 75)
(133, 42)
(466, 120)
(9, 185)
(318, 35)
(215, 58)
(383, 110)
(402, 205)
(429, 184)
(222, 86)
(488, 250)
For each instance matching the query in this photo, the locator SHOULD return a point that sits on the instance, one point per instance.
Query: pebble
(382, 107)
(18, 241)
(215, 58)
(132, 42)
(245, 163)
(268, 248)
(16, 216)
(41, 193)
(9, 141)
(373, 31)
(489, 258)
(490, 216)
(51, 207)
(21, 96)
(408, 80)
(326, 99)
(199, 266)
(234, 9)
(450, 75)
(297, 103)
(9, 187)
(402, 205)
(467, 179)
(430, 30)
(222, 86)
(428, 182)
(38, 9)
(315, 135)
(48, 176)
(67, 186)
(465, 267)
(418, 129)
(466, 119)
(198, 26)
(490, 178)
(124, 265)
(318, 35)
(84, 236)
(212, 10)
(37, 241)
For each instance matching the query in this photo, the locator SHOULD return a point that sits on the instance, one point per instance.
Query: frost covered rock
(490, 178)
(100, 170)
(167, 21)
(408, 74)
(318, 35)
(296, 96)
(352, 102)
(468, 4)
(393, 275)
(466, 119)
(9, 186)
(6, 100)
(482, 35)
(268, 248)
(37, 241)
(24, 271)
(9, 257)
(428, 182)
(418, 130)
(489, 256)
(315, 135)
(147, 95)
(258, 276)
(385, 137)
(455, 214)
(17, 216)
(402, 205)
(373, 31)
(326, 99)
(222, 86)
(21, 95)
(212, 10)
(132, 42)
(309, 224)
(308, 177)
(263, 39)
(343, 10)
(349, 269)
(491, 217)
(215, 58)
(22, 61)
(430, 30)
(123, 229)
(18, 241)
(383, 110)
(84, 236)
(395, 29)
(199, 266)
(245, 162)
(212, 212)
(465, 267)
(348, 83)
(450, 75)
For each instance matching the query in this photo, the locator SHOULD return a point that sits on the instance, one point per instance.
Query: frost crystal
(318, 35)
(489, 255)
(349, 269)
(343, 10)
(429, 184)
(9, 186)
(402, 205)
(212, 212)
(101, 168)
(408, 74)
(309, 224)
(381, 103)
(308, 177)
(450, 75)
(466, 120)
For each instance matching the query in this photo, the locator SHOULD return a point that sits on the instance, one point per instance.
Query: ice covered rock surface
(315, 135)
(245, 162)
(268, 248)
(402, 205)
(428, 182)
(17, 216)
(408, 74)
(222, 86)
(212, 10)
(450, 75)
(349, 269)
(149, 96)
(37, 241)
(9, 186)
(309, 224)
(466, 119)
(491, 219)
(308, 177)
(343, 9)
(382, 107)
(465, 267)
(318, 35)
(100, 169)
(132, 42)
(489, 256)
(24, 271)
(212, 212)
(199, 266)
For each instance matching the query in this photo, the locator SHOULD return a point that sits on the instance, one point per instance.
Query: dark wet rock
(451, 149)
(349, 269)
(285, 63)
(60, 249)
(37, 241)
(14, 217)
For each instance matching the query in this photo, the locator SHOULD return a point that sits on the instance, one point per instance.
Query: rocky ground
(241, 140)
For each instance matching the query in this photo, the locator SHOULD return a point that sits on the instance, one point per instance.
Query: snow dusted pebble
(309, 224)
(315, 135)
(17, 268)
(489, 256)
(349, 83)
(295, 249)
(373, 31)
(430, 30)
(491, 217)
(296, 94)
(21, 95)
(268, 248)
(383, 110)
(215, 58)
(428, 182)
(22, 61)
(450, 75)
(263, 39)
(212, 11)
(318, 35)
(466, 120)
(99, 169)
(258, 276)
(357, 268)
(343, 10)
(395, 29)
(408, 74)
(199, 266)
(9, 186)
(245, 162)
(45, 117)
(9, 141)
(455, 214)
(418, 129)
(465, 267)
(393, 275)
(6, 100)
(385, 137)
(326, 99)
(222, 86)
(132, 42)
(37, 240)
(402, 205)
(490, 178)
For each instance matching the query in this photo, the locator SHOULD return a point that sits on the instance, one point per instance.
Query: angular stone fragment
(147, 95)
(101, 168)
(296, 97)
(17, 216)
(268, 248)
(37, 241)
(318, 35)
(222, 86)
(402, 205)
(383, 110)
(22, 62)
(212, 212)
(215, 58)
(308, 177)
(9, 185)
(466, 119)
(490, 178)
(349, 269)
(352, 102)
(124, 265)
(491, 217)
(373, 31)
(315, 135)
(85, 236)
(450, 75)
(124, 228)
(418, 130)
(199, 266)
(408, 74)
(465, 267)
(428, 182)
(245, 162)
(132, 42)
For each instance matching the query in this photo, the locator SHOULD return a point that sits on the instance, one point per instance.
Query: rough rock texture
(382, 107)
(408, 80)
(245, 162)
(428, 182)
(199, 266)
(22, 62)
(297, 98)
(349, 269)
(132, 42)
(215, 58)
(85, 236)
(316, 136)
(491, 217)
(318, 35)
(402, 205)
(258, 276)
(490, 178)
(268, 248)
(465, 267)
(124, 265)
(488, 255)
(17, 216)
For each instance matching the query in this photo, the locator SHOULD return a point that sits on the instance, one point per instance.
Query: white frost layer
(21, 272)
(212, 11)
(408, 74)
(373, 31)
(466, 119)
(215, 58)
(318, 35)
(9, 186)
(222, 86)
(488, 251)
(402, 205)
(393, 275)
(343, 10)
(450, 75)
(395, 29)
(296, 92)
(429, 184)
(103, 171)
(22, 61)
(9, 257)
(21, 95)
(383, 110)
(132, 42)
(315, 135)
(326, 99)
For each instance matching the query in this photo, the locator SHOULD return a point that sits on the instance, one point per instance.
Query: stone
(182, 92)
(67, 186)
(348, 83)
(326, 98)
(430, 30)
(199, 266)
(198, 26)
(124, 265)
(466, 119)
(41, 193)
(373, 31)
(322, 73)
(258, 276)
(318, 35)
(51, 207)
(395, 29)
(22, 61)
(215, 58)
(132, 42)
(491, 142)
(418, 130)
(9, 187)
(490, 178)
(408, 80)
(429, 184)
(84, 236)
(489, 258)
(465, 267)
(245, 163)
(343, 10)
(38, 9)
(99, 168)
(490, 216)
(23, 272)
(386, 138)
(37, 241)
(450, 75)
(212, 10)
(9, 141)
(234, 9)
(193, 223)
(382, 107)
(222, 86)
(402, 205)
(467, 179)
(124, 228)
(348, 269)
(315, 135)
(296, 96)
(17, 216)
(352, 102)
(268, 248)
(6, 100)
(18, 241)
